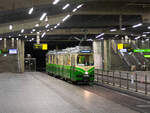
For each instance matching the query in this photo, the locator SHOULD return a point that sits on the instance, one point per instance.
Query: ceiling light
(43, 34)
(48, 30)
(30, 11)
(10, 27)
(33, 30)
(66, 6)
(98, 36)
(136, 38)
(47, 26)
(58, 24)
(146, 32)
(19, 34)
(37, 25)
(43, 16)
(113, 30)
(55, 2)
(144, 35)
(79, 6)
(1, 38)
(26, 37)
(123, 29)
(22, 30)
(102, 38)
(148, 27)
(51, 28)
(55, 27)
(66, 18)
(137, 25)
(74, 10)
(116, 35)
(147, 40)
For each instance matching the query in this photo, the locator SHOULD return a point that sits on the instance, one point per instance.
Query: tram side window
(85, 60)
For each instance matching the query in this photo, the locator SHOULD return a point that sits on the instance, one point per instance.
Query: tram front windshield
(85, 60)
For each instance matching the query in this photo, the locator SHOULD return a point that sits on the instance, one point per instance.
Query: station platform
(35, 92)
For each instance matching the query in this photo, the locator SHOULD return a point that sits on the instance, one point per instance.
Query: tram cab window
(85, 60)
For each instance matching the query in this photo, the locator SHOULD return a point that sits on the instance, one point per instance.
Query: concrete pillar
(38, 38)
(98, 59)
(5, 43)
(20, 46)
(12, 43)
(107, 54)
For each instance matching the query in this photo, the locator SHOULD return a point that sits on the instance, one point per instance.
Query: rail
(133, 81)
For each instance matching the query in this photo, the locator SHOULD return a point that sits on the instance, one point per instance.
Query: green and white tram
(75, 64)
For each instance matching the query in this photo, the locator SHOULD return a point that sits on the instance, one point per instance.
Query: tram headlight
(86, 73)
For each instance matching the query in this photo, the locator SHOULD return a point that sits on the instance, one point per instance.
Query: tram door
(72, 66)
(30, 64)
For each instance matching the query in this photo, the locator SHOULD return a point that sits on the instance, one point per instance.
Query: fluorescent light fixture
(144, 35)
(66, 6)
(102, 38)
(116, 35)
(66, 17)
(113, 30)
(148, 27)
(33, 30)
(22, 30)
(136, 38)
(48, 30)
(146, 32)
(55, 2)
(30, 11)
(43, 16)
(26, 37)
(37, 25)
(58, 24)
(74, 10)
(1, 38)
(123, 29)
(147, 40)
(47, 26)
(137, 25)
(10, 27)
(98, 36)
(43, 34)
(55, 27)
(79, 6)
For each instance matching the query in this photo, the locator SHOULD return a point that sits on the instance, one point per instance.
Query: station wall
(11, 62)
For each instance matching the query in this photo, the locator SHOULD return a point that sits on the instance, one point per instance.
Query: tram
(75, 64)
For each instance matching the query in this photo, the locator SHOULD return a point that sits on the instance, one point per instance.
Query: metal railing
(133, 81)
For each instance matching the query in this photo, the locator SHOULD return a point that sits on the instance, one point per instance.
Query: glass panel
(85, 60)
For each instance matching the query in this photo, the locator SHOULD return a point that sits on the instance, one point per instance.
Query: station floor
(34, 92)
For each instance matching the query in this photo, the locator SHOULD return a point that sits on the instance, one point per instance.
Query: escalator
(131, 59)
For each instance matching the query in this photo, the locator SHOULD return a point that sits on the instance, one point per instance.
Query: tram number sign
(41, 46)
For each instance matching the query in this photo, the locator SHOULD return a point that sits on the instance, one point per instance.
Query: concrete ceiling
(94, 17)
